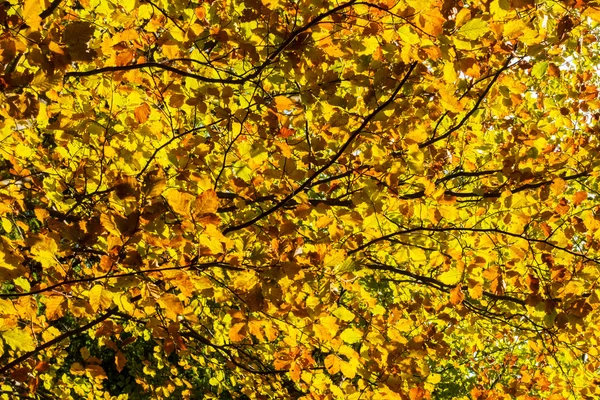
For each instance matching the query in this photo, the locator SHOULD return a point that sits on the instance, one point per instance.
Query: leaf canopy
(268, 199)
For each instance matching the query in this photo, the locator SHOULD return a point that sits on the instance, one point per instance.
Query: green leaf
(539, 69)
(474, 29)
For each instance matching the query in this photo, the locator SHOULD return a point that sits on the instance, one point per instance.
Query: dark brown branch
(467, 174)
(164, 13)
(329, 163)
(472, 111)
(291, 203)
(48, 11)
(168, 142)
(493, 194)
(127, 274)
(439, 284)
(258, 70)
(157, 65)
(475, 230)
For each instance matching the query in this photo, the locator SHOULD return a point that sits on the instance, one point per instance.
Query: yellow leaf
(100, 298)
(348, 369)
(207, 202)
(351, 335)
(415, 158)
(333, 51)
(462, 17)
(593, 13)
(23, 283)
(476, 292)
(434, 378)
(55, 307)
(31, 13)
(179, 201)
(211, 243)
(123, 303)
(451, 277)
(245, 280)
(514, 28)
(499, 8)
(44, 251)
(449, 99)
(128, 5)
(6, 225)
(344, 314)
(333, 364)
(450, 75)
(558, 186)
(18, 339)
(171, 306)
(23, 151)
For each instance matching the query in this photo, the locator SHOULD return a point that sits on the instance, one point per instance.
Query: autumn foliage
(272, 199)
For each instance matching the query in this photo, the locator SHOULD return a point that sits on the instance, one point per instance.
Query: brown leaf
(95, 371)
(154, 183)
(126, 188)
(120, 361)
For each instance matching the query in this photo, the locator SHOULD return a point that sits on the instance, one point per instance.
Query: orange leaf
(142, 113)
(237, 332)
(286, 132)
(124, 58)
(207, 202)
(416, 393)
(55, 307)
(283, 103)
(579, 197)
(295, 372)
(200, 13)
(457, 295)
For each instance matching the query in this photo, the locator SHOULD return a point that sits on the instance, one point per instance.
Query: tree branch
(329, 163)
(472, 111)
